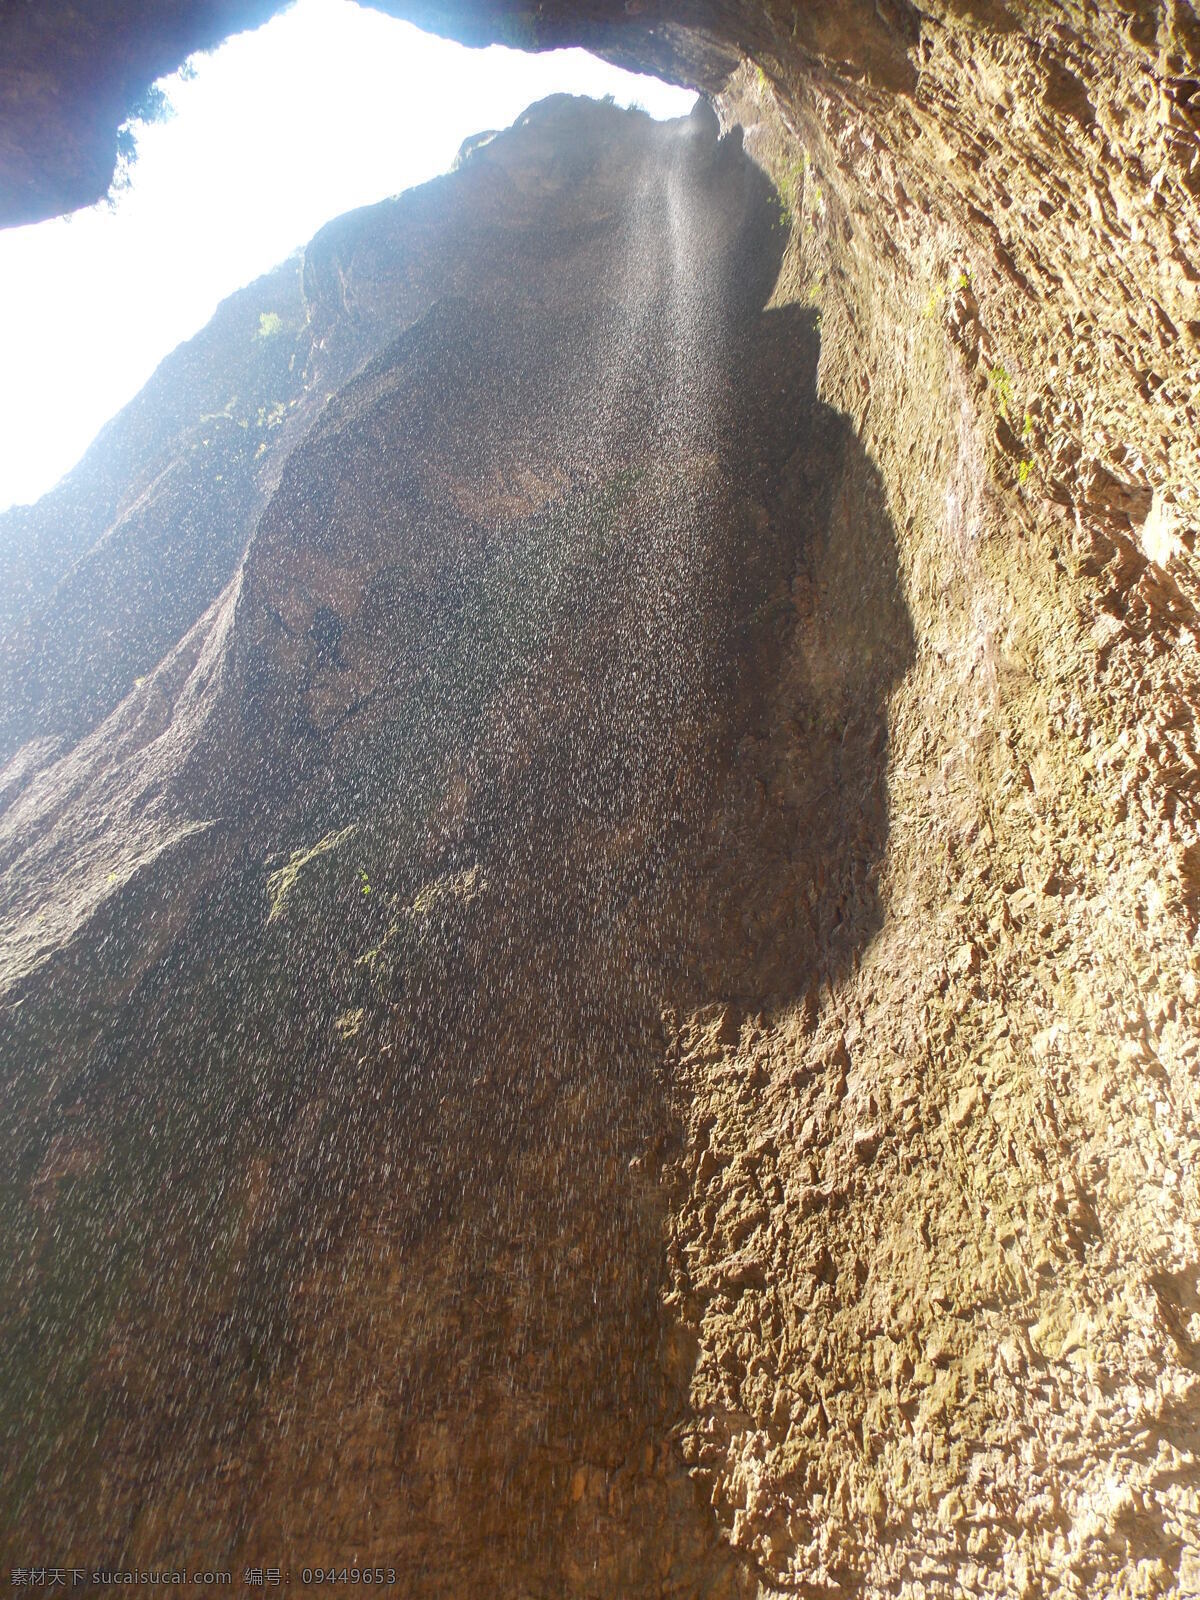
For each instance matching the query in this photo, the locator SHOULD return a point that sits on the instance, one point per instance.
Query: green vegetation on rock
(282, 882)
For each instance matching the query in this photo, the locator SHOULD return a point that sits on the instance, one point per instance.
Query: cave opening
(228, 166)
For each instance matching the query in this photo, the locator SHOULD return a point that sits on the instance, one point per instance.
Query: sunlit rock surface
(640, 1036)
(354, 913)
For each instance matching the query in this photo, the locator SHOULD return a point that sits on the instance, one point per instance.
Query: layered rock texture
(602, 862)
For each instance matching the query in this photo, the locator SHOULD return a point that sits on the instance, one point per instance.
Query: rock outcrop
(615, 1016)
(352, 912)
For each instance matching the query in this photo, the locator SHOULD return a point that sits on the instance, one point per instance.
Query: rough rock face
(893, 884)
(347, 946)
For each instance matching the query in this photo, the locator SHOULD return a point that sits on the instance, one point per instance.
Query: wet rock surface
(344, 955)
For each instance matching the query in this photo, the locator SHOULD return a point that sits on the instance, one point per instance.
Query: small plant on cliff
(943, 292)
(153, 106)
(271, 417)
(1000, 384)
(791, 191)
(282, 883)
(269, 324)
(350, 1024)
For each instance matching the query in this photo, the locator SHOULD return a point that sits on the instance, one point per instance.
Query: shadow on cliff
(359, 1188)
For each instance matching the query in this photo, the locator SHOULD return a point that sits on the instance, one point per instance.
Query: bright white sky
(327, 107)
